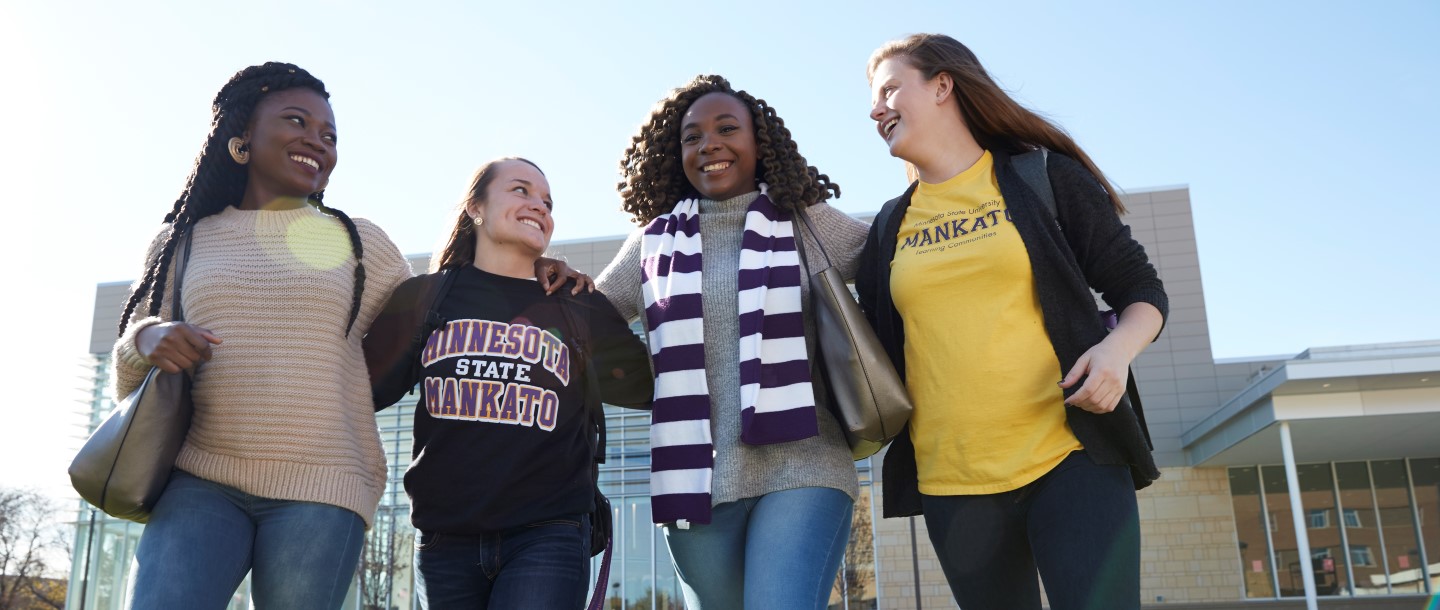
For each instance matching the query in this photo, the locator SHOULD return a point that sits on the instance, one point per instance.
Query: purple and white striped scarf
(776, 400)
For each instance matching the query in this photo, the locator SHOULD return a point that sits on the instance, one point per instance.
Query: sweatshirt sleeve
(130, 365)
(620, 281)
(621, 360)
(387, 322)
(392, 344)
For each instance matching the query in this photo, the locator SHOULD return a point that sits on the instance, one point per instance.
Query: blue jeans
(780, 550)
(540, 565)
(203, 537)
(1078, 524)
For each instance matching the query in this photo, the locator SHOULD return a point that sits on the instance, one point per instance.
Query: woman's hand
(552, 274)
(175, 346)
(1106, 367)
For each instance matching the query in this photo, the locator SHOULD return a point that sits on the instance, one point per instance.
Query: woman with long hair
(750, 473)
(501, 482)
(980, 291)
(282, 468)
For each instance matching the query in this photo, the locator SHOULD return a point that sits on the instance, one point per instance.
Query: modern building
(1318, 470)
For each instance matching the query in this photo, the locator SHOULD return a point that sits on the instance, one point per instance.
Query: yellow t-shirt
(989, 417)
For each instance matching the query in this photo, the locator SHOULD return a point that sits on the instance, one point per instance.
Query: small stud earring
(479, 221)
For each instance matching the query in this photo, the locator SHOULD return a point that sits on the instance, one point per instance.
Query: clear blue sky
(1305, 131)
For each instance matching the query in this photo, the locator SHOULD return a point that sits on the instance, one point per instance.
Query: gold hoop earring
(239, 150)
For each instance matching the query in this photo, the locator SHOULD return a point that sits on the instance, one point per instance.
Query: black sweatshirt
(500, 436)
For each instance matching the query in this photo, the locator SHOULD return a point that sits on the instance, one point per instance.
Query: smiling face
(907, 108)
(291, 139)
(717, 146)
(516, 209)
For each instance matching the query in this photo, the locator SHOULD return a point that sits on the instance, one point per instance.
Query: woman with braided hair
(282, 468)
(751, 475)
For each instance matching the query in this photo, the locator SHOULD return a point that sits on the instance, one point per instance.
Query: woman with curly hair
(750, 475)
(978, 282)
(282, 468)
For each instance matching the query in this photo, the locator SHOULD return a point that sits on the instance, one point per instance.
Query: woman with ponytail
(511, 381)
(282, 468)
(980, 291)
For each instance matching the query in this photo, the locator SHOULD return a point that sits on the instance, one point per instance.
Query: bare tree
(29, 536)
(855, 586)
(383, 559)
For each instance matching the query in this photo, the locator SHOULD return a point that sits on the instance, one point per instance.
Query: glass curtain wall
(1366, 523)
(1253, 533)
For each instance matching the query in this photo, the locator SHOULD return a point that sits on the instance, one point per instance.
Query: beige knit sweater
(283, 408)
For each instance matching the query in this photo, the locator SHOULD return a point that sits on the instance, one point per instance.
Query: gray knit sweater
(741, 470)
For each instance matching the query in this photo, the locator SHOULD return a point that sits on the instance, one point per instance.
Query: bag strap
(602, 580)
(177, 311)
(804, 216)
(1032, 169)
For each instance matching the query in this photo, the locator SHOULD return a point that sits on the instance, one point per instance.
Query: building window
(1318, 518)
(1352, 518)
(1360, 556)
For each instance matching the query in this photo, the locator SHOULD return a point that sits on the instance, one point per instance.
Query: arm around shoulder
(393, 343)
(620, 281)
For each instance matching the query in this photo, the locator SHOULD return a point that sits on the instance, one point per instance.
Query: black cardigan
(1093, 249)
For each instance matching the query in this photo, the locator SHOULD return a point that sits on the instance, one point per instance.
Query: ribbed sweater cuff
(126, 353)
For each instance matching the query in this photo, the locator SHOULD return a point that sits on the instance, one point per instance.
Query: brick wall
(1188, 548)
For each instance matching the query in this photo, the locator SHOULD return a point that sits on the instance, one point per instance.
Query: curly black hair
(218, 181)
(653, 179)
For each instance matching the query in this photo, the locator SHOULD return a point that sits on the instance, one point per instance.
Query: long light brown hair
(459, 249)
(996, 121)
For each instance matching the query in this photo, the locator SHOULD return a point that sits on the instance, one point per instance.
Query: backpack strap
(433, 319)
(1032, 169)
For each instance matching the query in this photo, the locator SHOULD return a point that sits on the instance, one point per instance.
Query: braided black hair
(653, 178)
(218, 181)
